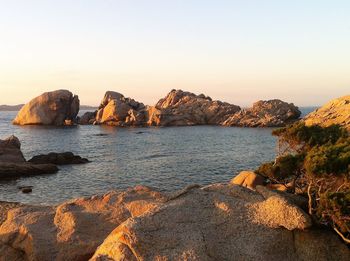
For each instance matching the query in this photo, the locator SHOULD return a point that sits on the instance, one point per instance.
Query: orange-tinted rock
(50, 108)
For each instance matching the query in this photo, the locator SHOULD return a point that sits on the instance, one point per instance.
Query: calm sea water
(166, 158)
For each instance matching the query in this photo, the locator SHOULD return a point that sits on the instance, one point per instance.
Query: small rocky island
(178, 108)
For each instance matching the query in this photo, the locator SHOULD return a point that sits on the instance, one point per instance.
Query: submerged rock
(64, 158)
(271, 113)
(336, 111)
(50, 108)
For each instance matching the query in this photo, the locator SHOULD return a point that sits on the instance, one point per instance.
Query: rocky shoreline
(177, 108)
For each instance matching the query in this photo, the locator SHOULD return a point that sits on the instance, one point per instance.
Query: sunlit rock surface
(50, 108)
(336, 111)
(271, 113)
(216, 222)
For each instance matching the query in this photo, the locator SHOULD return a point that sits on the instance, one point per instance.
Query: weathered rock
(10, 170)
(248, 179)
(271, 113)
(87, 118)
(220, 222)
(73, 230)
(181, 108)
(336, 111)
(50, 108)
(64, 158)
(116, 110)
(10, 150)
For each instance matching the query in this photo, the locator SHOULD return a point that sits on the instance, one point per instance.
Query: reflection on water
(166, 158)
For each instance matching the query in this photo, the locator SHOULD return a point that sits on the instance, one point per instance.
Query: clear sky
(236, 51)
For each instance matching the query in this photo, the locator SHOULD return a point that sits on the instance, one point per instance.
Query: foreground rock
(217, 222)
(64, 158)
(272, 113)
(336, 111)
(50, 108)
(72, 230)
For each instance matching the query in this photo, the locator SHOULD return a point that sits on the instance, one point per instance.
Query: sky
(234, 51)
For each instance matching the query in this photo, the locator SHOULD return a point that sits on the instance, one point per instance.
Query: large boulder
(181, 108)
(117, 110)
(50, 108)
(72, 230)
(336, 111)
(248, 179)
(271, 113)
(221, 222)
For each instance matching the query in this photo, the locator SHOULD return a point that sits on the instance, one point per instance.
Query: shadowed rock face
(336, 111)
(272, 113)
(50, 108)
(216, 222)
(10, 150)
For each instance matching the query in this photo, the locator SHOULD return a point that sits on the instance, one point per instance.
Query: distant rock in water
(64, 158)
(117, 110)
(11, 107)
(271, 113)
(336, 111)
(181, 108)
(50, 108)
(87, 118)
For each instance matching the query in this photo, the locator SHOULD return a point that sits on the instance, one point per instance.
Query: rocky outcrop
(13, 163)
(116, 110)
(336, 111)
(221, 222)
(271, 113)
(10, 150)
(50, 108)
(216, 222)
(64, 158)
(72, 230)
(181, 108)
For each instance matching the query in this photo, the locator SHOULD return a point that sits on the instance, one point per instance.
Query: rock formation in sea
(181, 108)
(215, 222)
(13, 164)
(117, 110)
(271, 113)
(51, 108)
(336, 111)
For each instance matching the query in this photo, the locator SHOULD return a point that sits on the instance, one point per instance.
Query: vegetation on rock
(317, 160)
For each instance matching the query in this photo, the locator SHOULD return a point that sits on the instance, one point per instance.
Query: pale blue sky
(236, 51)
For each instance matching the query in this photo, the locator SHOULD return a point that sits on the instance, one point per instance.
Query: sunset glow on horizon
(235, 51)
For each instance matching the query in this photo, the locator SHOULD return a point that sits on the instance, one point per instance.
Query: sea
(166, 158)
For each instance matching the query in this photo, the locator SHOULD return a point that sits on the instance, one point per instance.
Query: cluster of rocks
(13, 164)
(215, 222)
(178, 108)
